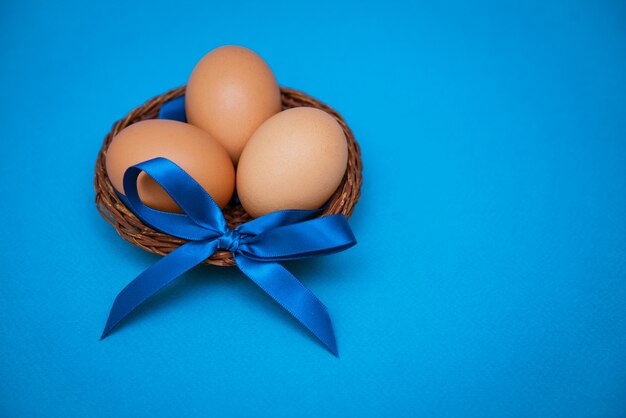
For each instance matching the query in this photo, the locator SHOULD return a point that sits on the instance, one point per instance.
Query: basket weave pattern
(133, 230)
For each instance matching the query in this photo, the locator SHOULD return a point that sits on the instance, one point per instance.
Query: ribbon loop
(257, 246)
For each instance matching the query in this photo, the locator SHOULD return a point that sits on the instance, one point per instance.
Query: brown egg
(230, 93)
(295, 160)
(202, 157)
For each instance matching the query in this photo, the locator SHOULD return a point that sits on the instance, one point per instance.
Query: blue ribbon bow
(257, 246)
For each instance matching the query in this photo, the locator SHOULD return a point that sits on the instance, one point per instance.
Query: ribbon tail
(292, 295)
(155, 278)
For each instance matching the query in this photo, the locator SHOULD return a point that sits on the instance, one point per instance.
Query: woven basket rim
(130, 227)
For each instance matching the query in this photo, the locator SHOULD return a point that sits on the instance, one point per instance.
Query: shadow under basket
(134, 231)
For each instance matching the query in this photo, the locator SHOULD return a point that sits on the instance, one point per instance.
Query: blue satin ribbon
(174, 109)
(257, 246)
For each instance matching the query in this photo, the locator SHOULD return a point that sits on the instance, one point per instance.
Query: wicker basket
(134, 231)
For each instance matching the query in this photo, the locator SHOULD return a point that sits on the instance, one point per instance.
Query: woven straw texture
(134, 231)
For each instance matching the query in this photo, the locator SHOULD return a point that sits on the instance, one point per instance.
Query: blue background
(490, 274)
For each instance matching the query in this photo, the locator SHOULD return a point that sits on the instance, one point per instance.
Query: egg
(191, 148)
(230, 93)
(295, 160)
